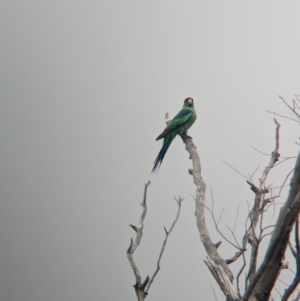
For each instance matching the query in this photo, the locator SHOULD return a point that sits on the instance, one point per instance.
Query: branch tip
(252, 187)
(134, 227)
(276, 122)
(142, 287)
(218, 244)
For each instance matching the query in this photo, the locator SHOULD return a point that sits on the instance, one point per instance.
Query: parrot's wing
(180, 119)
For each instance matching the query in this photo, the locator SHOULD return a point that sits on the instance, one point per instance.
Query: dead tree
(260, 280)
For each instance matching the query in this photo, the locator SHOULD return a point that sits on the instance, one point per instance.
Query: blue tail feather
(166, 144)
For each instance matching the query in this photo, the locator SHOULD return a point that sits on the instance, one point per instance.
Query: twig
(236, 170)
(263, 229)
(297, 233)
(278, 292)
(292, 109)
(217, 222)
(297, 298)
(213, 290)
(232, 231)
(251, 176)
(236, 217)
(268, 155)
(293, 251)
(235, 257)
(292, 286)
(267, 234)
(285, 182)
(274, 157)
(240, 272)
(282, 116)
(164, 244)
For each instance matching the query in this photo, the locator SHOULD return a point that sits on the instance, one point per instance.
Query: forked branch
(139, 286)
(260, 191)
(168, 232)
(142, 288)
(267, 274)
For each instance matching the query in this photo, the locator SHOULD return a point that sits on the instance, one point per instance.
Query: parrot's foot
(185, 135)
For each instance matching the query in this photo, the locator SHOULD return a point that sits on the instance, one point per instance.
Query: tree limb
(222, 279)
(256, 210)
(296, 253)
(293, 109)
(139, 286)
(215, 263)
(164, 244)
(267, 274)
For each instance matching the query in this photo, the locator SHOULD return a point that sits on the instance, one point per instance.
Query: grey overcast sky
(84, 89)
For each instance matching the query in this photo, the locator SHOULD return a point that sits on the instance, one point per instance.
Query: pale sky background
(84, 89)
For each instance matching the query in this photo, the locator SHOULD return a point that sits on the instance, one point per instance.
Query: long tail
(166, 144)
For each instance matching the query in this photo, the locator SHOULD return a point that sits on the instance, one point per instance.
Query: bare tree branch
(139, 286)
(259, 283)
(164, 244)
(215, 263)
(283, 159)
(297, 243)
(213, 290)
(235, 257)
(209, 246)
(296, 253)
(293, 251)
(142, 289)
(235, 170)
(291, 108)
(256, 210)
(222, 279)
(267, 274)
(283, 184)
(232, 231)
(251, 176)
(240, 272)
(292, 287)
(211, 211)
(235, 222)
(297, 298)
(293, 119)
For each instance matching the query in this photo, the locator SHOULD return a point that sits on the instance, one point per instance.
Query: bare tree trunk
(262, 281)
(266, 276)
(258, 283)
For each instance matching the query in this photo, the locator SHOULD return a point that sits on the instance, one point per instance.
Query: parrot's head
(189, 102)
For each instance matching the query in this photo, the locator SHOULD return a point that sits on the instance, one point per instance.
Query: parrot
(177, 126)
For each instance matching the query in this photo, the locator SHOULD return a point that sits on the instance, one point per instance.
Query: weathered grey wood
(215, 263)
(142, 288)
(139, 286)
(264, 280)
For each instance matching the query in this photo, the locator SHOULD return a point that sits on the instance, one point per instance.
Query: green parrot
(178, 125)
